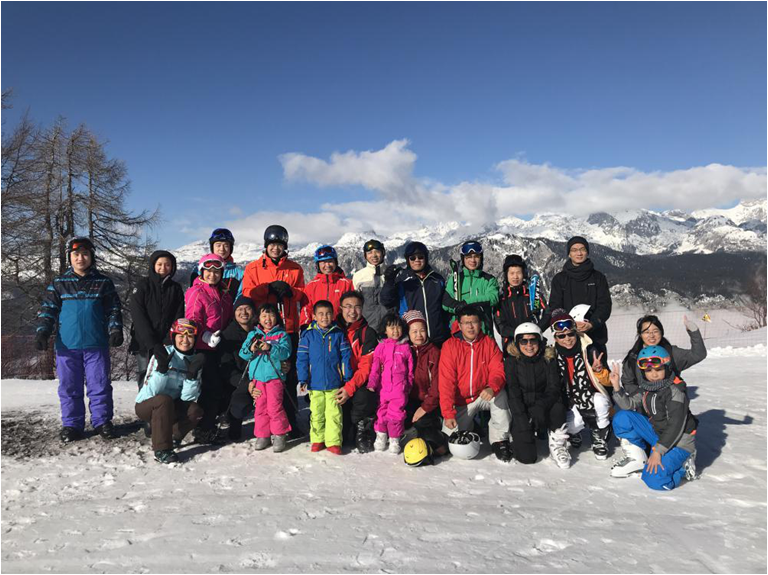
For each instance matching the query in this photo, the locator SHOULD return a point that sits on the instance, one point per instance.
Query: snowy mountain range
(626, 246)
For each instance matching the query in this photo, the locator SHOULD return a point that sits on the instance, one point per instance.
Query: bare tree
(753, 302)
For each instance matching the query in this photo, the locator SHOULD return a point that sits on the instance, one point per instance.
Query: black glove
(162, 358)
(390, 273)
(538, 416)
(280, 290)
(195, 365)
(116, 339)
(41, 341)
(459, 306)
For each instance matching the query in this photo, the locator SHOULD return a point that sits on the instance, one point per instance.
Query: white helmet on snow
(579, 312)
(464, 444)
(527, 328)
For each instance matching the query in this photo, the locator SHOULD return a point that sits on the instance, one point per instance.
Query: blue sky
(489, 109)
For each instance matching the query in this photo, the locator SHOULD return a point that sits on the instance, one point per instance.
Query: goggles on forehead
(213, 265)
(326, 252)
(184, 326)
(471, 248)
(563, 325)
(653, 362)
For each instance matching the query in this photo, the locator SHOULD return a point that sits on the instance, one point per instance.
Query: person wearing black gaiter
(581, 283)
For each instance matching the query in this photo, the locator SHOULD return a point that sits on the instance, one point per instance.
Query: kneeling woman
(535, 396)
(167, 399)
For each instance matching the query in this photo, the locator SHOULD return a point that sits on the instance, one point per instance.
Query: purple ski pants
(89, 368)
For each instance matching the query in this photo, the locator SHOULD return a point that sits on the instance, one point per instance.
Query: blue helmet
(325, 253)
(653, 356)
(221, 235)
(471, 247)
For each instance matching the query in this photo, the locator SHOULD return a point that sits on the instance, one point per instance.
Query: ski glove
(280, 290)
(41, 341)
(162, 358)
(690, 325)
(390, 273)
(211, 339)
(116, 339)
(194, 365)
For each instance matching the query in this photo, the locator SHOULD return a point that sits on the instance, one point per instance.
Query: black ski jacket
(582, 284)
(514, 309)
(532, 381)
(154, 305)
(231, 365)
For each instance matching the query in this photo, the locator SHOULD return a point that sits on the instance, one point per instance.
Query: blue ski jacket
(175, 383)
(323, 358)
(265, 366)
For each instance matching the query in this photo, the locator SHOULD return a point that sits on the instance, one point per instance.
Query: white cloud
(404, 202)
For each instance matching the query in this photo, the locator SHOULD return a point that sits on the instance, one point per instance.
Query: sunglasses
(652, 362)
(213, 265)
(563, 325)
(471, 248)
(415, 257)
(564, 335)
(528, 341)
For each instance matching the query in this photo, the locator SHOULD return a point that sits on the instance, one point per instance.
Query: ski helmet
(325, 253)
(80, 242)
(221, 235)
(653, 356)
(373, 245)
(417, 452)
(580, 312)
(527, 328)
(210, 261)
(183, 325)
(472, 247)
(276, 234)
(464, 444)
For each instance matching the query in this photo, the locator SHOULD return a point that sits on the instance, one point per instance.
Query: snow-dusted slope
(100, 507)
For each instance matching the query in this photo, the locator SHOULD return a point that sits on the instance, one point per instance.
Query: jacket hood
(547, 351)
(153, 260)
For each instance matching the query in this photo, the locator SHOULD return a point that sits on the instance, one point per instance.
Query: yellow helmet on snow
(417, 452)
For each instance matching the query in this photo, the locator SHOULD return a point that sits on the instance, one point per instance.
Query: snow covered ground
(109, 508)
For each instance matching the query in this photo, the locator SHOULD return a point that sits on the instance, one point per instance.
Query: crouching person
(472, 380)
(656, 416)
(535, 396)
(167, 400)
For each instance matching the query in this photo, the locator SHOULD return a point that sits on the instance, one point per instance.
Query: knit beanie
(576, 240)
(243, 300)
(412, 316)
(559, 315)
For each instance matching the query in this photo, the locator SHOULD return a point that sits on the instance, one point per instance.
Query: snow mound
(758, 350)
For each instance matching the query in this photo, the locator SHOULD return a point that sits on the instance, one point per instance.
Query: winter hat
(515, 260)
(244, 300)
(559, 315)
(412, 316)
(414, 248)
(576, 240)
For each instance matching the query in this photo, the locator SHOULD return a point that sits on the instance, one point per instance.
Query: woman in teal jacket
(167, 399)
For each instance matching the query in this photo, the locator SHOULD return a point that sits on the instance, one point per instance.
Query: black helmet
(221, 235)
(373, 245)
(80, 242)
(275, 234)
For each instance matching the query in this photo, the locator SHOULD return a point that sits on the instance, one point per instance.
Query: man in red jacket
(472, 379)
(273, 278)
(360, 413)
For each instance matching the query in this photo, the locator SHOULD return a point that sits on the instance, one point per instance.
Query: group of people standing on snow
(395, 358)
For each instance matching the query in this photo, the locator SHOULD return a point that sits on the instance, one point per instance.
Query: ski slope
(109, 508)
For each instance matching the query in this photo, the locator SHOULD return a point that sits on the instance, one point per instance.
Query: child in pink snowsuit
(391, 376)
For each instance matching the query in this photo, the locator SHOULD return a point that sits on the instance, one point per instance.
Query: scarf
(579, 273)
(653, 386)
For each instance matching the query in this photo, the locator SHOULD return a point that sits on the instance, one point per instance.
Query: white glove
(212, 339)
(689, 325)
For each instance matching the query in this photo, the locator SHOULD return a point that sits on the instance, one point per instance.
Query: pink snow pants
(269, 416)
(390, 417)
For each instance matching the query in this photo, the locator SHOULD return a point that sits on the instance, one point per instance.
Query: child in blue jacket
(323, 364)
(266, 346)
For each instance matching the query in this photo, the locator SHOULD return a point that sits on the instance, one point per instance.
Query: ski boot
(364, 435)
(558, 448)
(70, 434)
(632, 461)
(575, 440)
(106, 431)
(279, 442)
(502, 450)
(690, 467)
(394, 445)
(381, 441)
(600, 442)
(262, 443)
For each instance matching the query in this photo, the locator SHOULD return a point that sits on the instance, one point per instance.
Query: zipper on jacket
(424, 295)
(471, 368)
